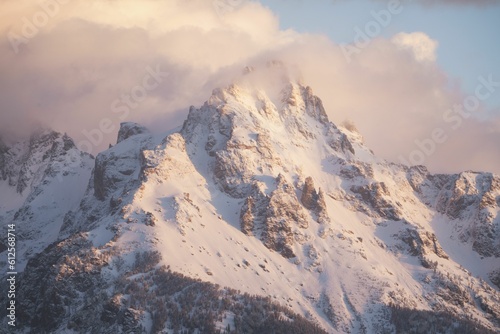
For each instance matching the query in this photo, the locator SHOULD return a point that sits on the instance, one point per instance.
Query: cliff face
(41, 179)
(473, 198)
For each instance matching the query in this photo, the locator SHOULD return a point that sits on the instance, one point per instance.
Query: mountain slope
(260, 193)
(41, 178)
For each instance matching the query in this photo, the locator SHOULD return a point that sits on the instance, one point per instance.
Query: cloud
(474, 146)
(68, 63)
(95, 60)
(421, 45)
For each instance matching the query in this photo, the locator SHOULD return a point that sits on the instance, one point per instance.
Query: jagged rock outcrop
(129, 129)
(247, 217)
(45, 176)
(117, 172)
(342, 144)
(376, 195)
(309, 196)
(352, 170)
(26, 163)
(314, 201)
(495, 277)
(283, 214)
(472, 198)
(303, 97)
(253, 213)
(418, 177)
(323, 217)
(275, 217)
(114, 168)
(421, 243)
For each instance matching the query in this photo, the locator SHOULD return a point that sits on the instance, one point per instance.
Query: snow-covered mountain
(41, 178)
(258, 216)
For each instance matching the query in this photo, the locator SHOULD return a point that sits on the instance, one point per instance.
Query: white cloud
(420, 44)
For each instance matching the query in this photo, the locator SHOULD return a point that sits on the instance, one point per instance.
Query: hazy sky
(420, 80)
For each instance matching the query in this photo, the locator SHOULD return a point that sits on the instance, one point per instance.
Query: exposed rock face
(117, 172)
(375, 194)
(26, 163)
(313, 105)
(471, 197)
(114, 168)
(46, 176)
(314, 201)
(247, 217)
(129, 129)
(275, 217)
(342, 144)
(309, 195)
(283, 213)
(421, 244)
(320, 202)
(352, 170)
(418, 177)
(495, 277)
(231, 169)
(323, 217)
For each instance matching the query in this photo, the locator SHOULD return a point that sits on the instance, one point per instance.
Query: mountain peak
(42, 176)
(129, 129)
(285, 100)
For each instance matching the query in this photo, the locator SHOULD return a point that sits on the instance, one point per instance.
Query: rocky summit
(258, 216)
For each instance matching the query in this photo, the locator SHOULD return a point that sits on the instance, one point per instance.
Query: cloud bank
(82, 67)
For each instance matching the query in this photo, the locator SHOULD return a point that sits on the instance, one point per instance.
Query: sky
(419, 79)
(466, 33)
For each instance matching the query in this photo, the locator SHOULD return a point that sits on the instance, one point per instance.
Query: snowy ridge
(42, 178)
(261, 193)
